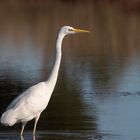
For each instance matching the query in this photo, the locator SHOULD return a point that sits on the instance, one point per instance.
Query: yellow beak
(81, 31)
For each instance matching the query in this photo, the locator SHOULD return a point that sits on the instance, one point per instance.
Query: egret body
(30, 104)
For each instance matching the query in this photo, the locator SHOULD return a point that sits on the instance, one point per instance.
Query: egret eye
(70, 30)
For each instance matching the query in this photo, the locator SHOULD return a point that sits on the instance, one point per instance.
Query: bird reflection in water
(22, 138)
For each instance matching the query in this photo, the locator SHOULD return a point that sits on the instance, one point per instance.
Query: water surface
(97, 96)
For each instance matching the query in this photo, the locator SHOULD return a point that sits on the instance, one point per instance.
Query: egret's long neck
(54, 74)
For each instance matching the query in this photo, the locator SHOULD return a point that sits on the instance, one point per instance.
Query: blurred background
(97, 93)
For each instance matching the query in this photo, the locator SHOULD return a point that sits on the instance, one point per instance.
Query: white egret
(30, 104)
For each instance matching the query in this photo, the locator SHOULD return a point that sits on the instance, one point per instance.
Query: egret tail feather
(8, 118)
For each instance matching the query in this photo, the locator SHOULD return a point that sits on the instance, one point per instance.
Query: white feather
(27, 105)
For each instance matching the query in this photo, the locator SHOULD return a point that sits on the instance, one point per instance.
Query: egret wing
(22, 97)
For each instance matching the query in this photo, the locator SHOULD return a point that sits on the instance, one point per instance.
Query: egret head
(70, 30)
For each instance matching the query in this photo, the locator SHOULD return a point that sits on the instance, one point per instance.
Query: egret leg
(21, 137)
(23, 126)
(36, 120)
(34, 137)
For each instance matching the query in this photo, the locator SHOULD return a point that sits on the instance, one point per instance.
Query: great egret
(30, 104)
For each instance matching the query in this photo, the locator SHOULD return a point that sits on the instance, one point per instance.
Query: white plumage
(27, 105)
(33, 101)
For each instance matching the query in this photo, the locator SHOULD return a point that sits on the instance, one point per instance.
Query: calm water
(97, 96)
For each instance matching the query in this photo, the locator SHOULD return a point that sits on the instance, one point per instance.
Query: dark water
(97, 96)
